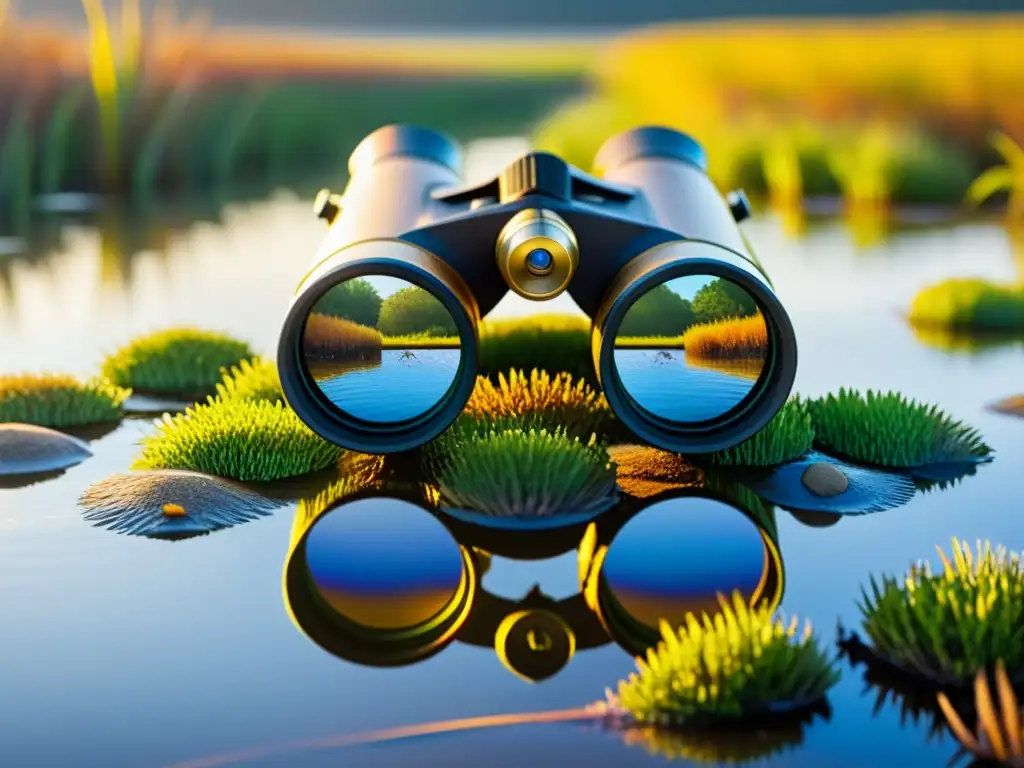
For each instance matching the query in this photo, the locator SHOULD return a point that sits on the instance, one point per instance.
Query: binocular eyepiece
(378, 351)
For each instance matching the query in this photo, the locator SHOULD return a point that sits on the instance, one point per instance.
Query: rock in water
(825, 480)
(26, 449)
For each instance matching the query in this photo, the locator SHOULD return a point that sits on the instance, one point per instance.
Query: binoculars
(691, 347)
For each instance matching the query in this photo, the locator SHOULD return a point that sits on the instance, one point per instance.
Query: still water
(122, 651)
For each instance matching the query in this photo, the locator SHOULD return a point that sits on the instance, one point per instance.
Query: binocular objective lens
(383, 564)
(692, 348)
(540, 261)
(381, 349)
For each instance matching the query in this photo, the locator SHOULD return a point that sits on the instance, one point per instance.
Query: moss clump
(508, 472)
(239, 439)
(970, 304)
(552, 401)
(183, 362)
(891, 431)
(785, 438)
(252, 380)
(740, 663)
(947, 626)
(54, 400)
(553, 343)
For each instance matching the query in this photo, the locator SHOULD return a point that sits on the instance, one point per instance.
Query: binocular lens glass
(381, 349)
(699, 548)
(692, 348)
(383, 563)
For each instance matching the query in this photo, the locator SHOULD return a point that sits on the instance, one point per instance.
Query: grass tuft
(239, 439)
(947, 626)
(731, 338)
(741, 662)
(55, 400)
(552, 343)
(182, 362)
(252, 380)
(889, 430)
(327, 337)
(509, 472)
(553, 401)
(969, 304)
(785, 438)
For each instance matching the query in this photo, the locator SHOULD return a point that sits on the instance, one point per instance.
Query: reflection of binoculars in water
(378, 352)
(387, 581)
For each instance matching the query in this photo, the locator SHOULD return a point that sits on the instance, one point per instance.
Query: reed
(328, 337)
(1002, 178)
(744, 337)
(999, 737)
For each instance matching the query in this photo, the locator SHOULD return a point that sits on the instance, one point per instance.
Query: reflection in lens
(384, 564)
(692, 348)
(676, 557)
(381, 349)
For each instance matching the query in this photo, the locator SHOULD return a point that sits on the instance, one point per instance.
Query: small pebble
(27, 449)
(824, 479)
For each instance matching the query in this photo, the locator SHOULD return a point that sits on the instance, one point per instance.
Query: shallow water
(123, 651)
(662, 382)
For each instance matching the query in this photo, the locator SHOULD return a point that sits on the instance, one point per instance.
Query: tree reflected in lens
(678, 555)
(692, 348)
(381, 349)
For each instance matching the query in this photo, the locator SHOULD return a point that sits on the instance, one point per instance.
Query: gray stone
(27, 449)
(823, 479)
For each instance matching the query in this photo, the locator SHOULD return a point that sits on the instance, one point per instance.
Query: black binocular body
(692, 348)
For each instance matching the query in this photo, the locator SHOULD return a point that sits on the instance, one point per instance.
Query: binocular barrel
(378, 352)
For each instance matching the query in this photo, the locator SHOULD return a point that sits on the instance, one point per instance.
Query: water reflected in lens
(692, 348)
(677, 555)
(384, 563)
(381, 349)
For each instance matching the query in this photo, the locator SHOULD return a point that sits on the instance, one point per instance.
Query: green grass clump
(969, 304)
(785, 438)
(741, 662)
(183, 362)
(239, 439)
(504, 471)
(252, 380)
(55, 400)
(947, 626)
(888, 430)
(551, 401)
(552, 343)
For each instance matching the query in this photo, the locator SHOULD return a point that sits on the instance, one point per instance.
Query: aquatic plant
(780, 161)
(787, 437)
(1008, 178)
(514, 473)
(999, 736)
(255, 379)
(239, 439)
(969, 304)
(890, 430)
(171, 503)
(332, 337)
(552, 343)
(56, 400)
(946, 626)
(741, 662)
(731, 338)
(184, 362)
(553, 400)
(863, 166)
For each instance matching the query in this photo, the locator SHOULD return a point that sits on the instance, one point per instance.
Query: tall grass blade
(57, 138)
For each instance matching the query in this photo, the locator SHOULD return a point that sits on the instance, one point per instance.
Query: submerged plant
(890, 430)
(1008, 178)
(239, 439)
(741, 662)
(252, 380)
(184, 362)
(552, 401)
(969, 304)
(999, 735)
(515, 473)
(785, 438)
(55, 400)
(946, 626)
